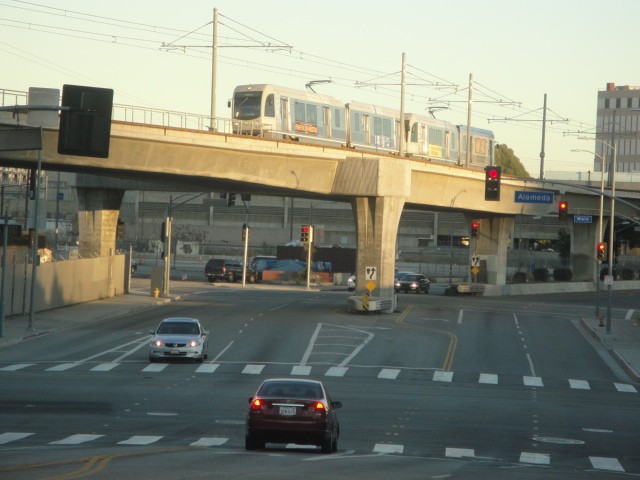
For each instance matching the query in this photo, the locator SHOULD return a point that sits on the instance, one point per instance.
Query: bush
(562, 274)
(520, 277)
(541, 274)
(627, 274)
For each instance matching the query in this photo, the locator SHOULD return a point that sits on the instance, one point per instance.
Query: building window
(629, 102)
(606, 103)
(618, 102)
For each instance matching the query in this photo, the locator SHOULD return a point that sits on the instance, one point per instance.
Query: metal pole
(312, 235)
(401, 147)
(544, 129)
(469, 104)
(34, 255)
(612, 224)
(599, 262)
(214, 70)
(246, 251)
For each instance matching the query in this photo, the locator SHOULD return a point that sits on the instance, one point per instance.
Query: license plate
(287, 411)
(175, 351)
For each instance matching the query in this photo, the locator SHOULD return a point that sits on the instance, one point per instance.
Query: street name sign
(582, 219)
(533, 197)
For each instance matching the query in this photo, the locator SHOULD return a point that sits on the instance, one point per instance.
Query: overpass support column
(584, 237)
(98, 211)
(377, 220)
(491, 246)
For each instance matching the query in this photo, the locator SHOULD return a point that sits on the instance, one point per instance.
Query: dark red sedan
(286, 410)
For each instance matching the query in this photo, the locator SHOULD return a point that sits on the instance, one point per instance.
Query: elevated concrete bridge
(377, 186)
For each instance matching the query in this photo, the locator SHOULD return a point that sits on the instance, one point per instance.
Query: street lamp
(612, 172)
(599, 239)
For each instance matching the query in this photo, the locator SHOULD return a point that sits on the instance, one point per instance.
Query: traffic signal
(305, 233)
(602, 251)
(231, 200)
(563, 210)
(474, 228)
(245, 231)
(492, 176)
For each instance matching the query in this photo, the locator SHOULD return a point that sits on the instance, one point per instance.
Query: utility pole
(544, 125)
(469, 104)
(403, 81)
(214, 71)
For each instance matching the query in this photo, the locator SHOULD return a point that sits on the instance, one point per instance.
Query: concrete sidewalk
(623, 343)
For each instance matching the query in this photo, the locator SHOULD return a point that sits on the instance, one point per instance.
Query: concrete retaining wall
(60, 284)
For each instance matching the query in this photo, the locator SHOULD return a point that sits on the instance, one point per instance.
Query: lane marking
(104, 367)
(62, 367)
(140, 440)
(535, 458)
(488, 378)
(579, 384)
(251, 369)
(207, 368)
(605, 463)
(76, 439)
(389, 373)
(387, 448)
(439, 376)
(336, 372)
(13, 436)
(222, 352)
(460, 315)
(623, 387)
(460, 452)
(155, 367)
(532, 381)
(210, 442)
(18, 366)
(301, 370)
(312, 341)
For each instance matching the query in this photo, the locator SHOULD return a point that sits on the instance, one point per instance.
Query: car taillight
(319, 406)
(224, 269)
(256, 405)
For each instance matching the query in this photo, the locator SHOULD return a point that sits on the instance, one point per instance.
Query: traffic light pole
(309, 245)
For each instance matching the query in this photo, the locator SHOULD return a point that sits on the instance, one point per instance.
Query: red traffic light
(493, 173)
(563, 210)
(474, 228)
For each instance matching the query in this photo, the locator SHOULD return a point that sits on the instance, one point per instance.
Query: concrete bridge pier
(98, 211)
(377, 220)
(584, 237)
(494, 238)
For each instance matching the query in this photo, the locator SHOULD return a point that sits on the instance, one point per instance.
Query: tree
(510, 164)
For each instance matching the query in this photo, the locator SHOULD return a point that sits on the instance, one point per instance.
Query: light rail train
(272, 111)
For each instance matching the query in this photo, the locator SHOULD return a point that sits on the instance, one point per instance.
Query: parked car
(412, 282)
(351, 283)
(286, 410)
(259, 263)
(179, 337)
(229, 270)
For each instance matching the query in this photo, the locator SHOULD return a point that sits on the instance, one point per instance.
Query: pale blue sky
(517, 51)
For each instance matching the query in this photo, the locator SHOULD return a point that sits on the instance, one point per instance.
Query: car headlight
(157, 343)
(194, 343)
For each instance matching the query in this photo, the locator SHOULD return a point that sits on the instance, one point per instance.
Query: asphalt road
(450, 387)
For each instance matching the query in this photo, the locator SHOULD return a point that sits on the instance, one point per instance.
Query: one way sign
(370, 273)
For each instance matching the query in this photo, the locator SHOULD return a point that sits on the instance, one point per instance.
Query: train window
(299, 112)
(269, 106)
(454, 141)
(337, 118)
(436, 137)
(312, 114)
(387, 129)
(377, 126)
(247, 105)
(356, 122)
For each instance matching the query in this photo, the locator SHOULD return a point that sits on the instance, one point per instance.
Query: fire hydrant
(156, 292)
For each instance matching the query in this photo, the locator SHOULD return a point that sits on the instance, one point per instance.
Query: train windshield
(246, 105)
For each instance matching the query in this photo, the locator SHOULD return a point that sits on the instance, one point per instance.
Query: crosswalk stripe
(62, 367)
(536, 458)
(579, 384)
(207, 368)
(389, 373)
(253, 369)
(76, 439)
(301, 370)
(532, 381)
(439, 376)
(140, 440)
(104, 367)
(12, 436)
(489, 378)
(18, 366)
(388, 448)
(605, 463)
(336, 372)
(210, 442)
(155, 367)
(460, 452)
(624, 387)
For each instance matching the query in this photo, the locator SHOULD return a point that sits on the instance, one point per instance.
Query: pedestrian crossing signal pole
(307, 232)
